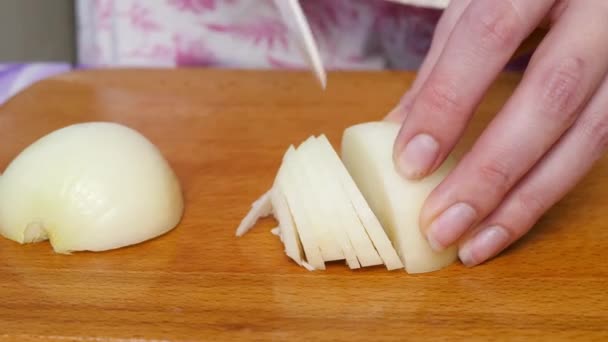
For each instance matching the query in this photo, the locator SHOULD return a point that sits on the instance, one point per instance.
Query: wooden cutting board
(225, 132)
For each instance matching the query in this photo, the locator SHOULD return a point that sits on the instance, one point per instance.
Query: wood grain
(225, 132)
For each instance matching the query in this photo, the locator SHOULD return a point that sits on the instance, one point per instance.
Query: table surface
(224, 132)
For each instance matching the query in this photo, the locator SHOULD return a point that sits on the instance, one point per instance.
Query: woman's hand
(543, 141)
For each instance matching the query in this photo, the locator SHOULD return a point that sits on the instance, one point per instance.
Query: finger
(442, 31)
(560, 170)
(485, 37)
(562, 76)
(556, 12)
(537, 36)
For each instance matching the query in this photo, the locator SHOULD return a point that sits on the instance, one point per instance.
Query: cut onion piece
(328, 198)
(345, 212)
(367, 217)
(312, 196)
(367, 151)
(261, 208)
(358, 208)
(289, 235)
(290, 183)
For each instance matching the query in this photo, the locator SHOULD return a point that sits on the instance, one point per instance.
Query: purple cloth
(16, 77)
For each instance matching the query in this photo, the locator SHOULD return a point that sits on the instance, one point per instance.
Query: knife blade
(437, 4)
(297, 24)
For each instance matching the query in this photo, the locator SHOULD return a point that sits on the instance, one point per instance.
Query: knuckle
(496, 175)
(562, 94)
(531, 202)
(497, 25)
(440, 97)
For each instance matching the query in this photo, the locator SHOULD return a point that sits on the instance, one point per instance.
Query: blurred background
(42, 38)
(35, 30)
(242, 33)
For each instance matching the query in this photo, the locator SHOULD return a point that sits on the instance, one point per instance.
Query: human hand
(541, 143)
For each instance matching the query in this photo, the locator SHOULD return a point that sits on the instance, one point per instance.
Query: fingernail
(418, 156)
(484, 245)
(450, 225)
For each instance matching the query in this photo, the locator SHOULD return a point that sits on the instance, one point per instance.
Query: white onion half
(89, 187)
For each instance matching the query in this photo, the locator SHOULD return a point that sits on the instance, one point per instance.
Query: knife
(296, 22)
(437, 4)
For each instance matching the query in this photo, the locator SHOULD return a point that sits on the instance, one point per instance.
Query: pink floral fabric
(352, 34)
